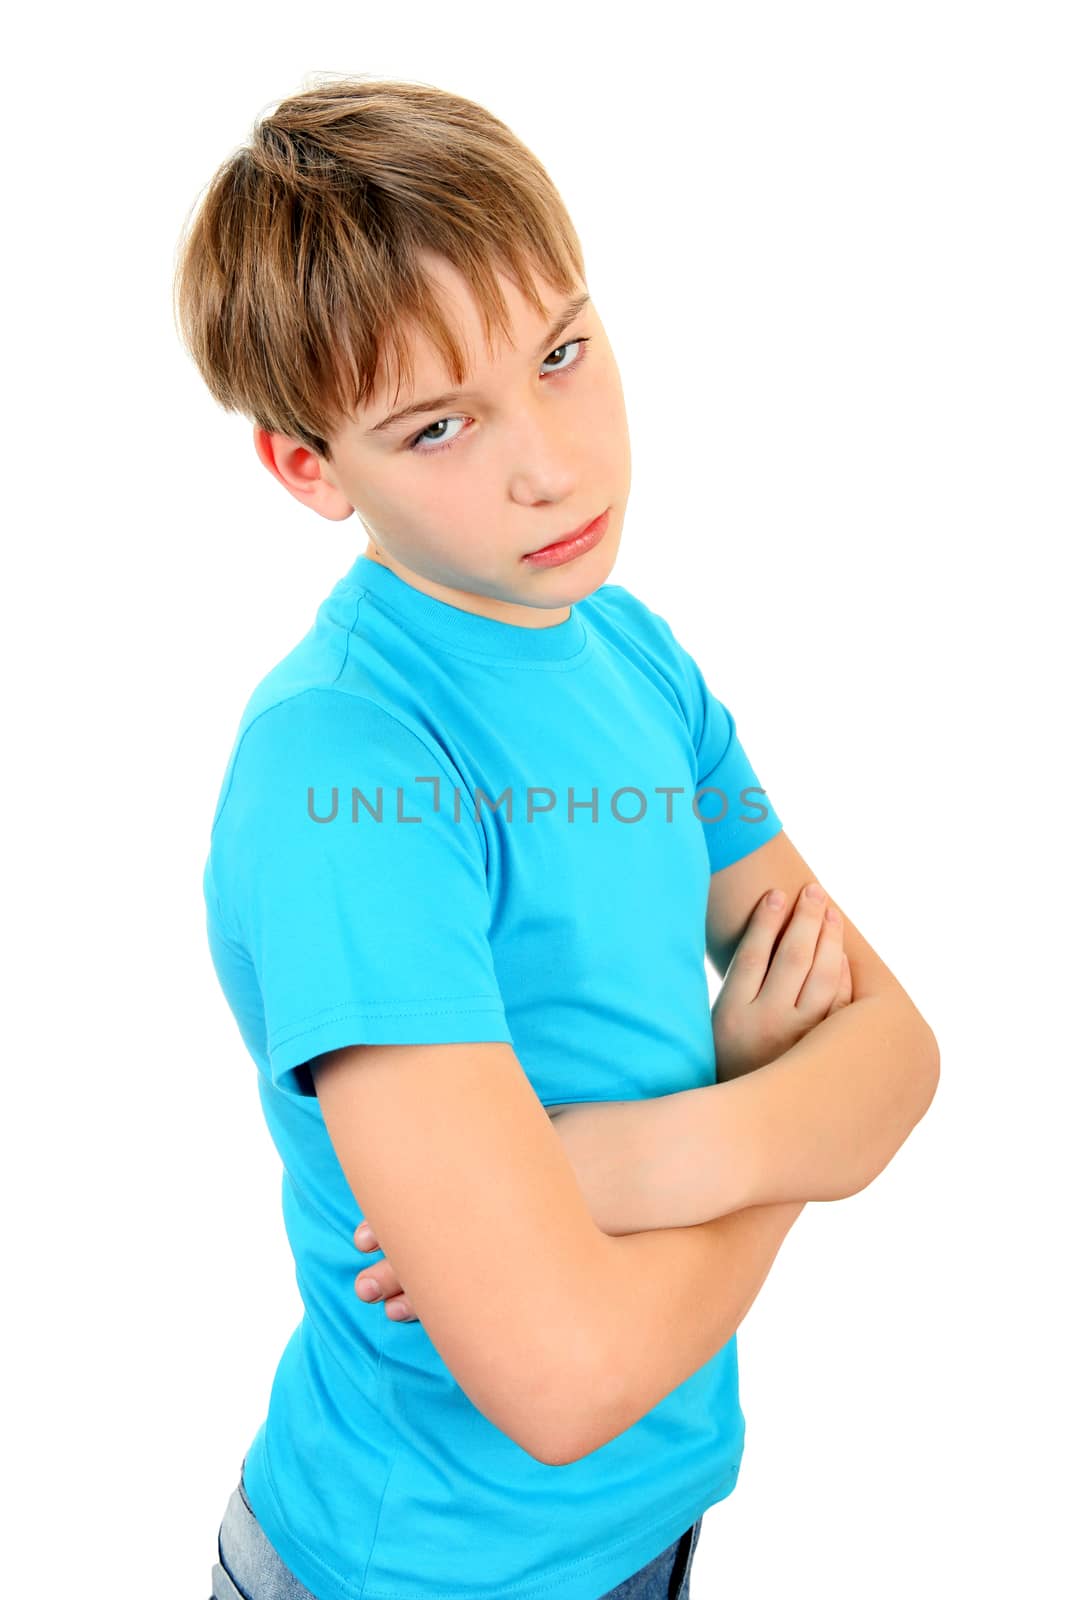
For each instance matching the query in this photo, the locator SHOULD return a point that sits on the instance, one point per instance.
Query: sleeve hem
(739, 840)
(432, 1022)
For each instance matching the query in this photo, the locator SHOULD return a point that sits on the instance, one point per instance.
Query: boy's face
(454, 496)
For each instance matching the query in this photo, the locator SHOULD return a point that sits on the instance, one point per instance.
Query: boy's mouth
(572, 544)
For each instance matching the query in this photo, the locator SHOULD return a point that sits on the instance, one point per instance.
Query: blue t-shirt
(437, 827)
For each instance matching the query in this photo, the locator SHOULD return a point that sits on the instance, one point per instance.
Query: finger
(843, 997)
(748, 968)
(382, 1277)
(824, 979)
(398, 1310)
(365, 1237)
(796, 950)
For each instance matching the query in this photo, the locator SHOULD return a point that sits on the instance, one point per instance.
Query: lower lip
(554, 555)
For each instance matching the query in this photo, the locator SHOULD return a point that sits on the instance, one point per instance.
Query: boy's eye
(560, 347)
(436, 445)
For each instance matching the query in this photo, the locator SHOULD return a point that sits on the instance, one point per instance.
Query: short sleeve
(736, 810)
(362, 903)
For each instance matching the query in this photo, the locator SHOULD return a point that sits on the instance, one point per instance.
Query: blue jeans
(249, 1567)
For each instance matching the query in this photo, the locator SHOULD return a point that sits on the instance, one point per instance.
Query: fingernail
(815, 891)
(368, 1289)
(776, 899)
(832, 914)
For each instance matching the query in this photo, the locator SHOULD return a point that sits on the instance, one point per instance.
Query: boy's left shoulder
(647, 639)
(648, 629)
(614, 600)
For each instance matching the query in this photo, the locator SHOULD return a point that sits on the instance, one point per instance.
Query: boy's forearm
(819, 1123)
(666, 1303)
(656, 1163)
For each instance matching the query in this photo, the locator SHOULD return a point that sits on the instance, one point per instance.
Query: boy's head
(381, 244)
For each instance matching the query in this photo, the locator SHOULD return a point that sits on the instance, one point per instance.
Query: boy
(478, 831)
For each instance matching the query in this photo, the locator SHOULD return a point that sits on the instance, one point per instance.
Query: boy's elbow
(924, 1058)
(562, 1419)
(585, 1431)
(932, 1064)
(542, 1396)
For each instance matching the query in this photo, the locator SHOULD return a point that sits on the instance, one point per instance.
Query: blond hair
(299, 269)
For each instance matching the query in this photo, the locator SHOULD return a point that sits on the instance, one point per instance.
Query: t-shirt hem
(266, 1508)
(586, 1579)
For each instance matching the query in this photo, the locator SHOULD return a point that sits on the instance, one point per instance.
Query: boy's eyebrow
(563, 321)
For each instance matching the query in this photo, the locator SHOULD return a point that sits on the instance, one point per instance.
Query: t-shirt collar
(465, 630)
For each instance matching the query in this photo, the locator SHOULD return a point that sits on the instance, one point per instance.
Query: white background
(828, 245)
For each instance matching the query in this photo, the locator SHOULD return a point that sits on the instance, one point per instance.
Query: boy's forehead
(427, 371)
(425, 360)
(466, 326)
(459, 308)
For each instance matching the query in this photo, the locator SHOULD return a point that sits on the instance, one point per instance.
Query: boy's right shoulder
(321, 689)
(319, 711)
(320, 734)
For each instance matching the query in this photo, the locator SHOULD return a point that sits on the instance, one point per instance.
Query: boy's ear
(305, 475)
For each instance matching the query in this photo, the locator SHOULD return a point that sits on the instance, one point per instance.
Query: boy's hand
(398, 1307)
(766, 1004)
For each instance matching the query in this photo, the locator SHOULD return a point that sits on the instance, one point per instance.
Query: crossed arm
(818, 1123)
